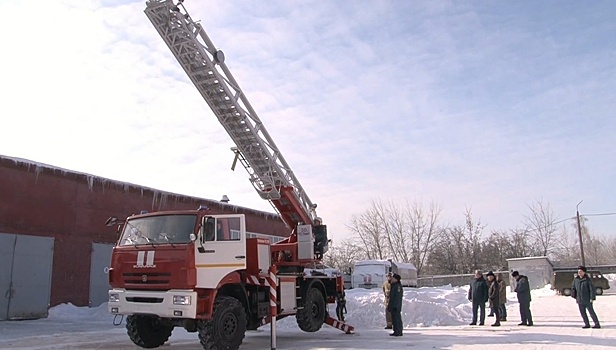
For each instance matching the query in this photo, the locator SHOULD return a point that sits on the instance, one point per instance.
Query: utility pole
(577, 210)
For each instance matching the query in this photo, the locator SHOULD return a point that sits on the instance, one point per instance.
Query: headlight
(114, 297)
(181, 300)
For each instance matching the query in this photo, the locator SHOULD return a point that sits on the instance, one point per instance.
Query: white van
(371, 273)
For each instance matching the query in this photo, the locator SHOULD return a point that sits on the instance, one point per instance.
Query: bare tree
(610, 248)
(405, 234)
(521, 244)
(369, 233)
(473, 232)
(447, 256)
(541, 224)
(424, 231)
(496, 250)
(342, 256)
(395, 230)
(566, 250)
(596, 248)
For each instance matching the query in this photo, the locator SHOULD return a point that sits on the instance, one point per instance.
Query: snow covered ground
(434, 318)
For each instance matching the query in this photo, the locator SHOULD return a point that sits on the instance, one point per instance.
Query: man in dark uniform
(494, 297)
(478, 295)
(584, 293)
(522, 289)
(395, 305)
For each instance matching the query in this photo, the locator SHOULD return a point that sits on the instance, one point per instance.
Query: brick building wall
(72, 207)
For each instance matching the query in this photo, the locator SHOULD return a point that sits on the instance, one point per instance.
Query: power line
(601, 214)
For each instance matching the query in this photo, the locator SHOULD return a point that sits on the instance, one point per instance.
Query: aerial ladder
(193, 269)
(269, 172)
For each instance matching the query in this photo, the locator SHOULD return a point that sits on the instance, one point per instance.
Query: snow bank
(612, 278)
(70, 312)
(421, 307)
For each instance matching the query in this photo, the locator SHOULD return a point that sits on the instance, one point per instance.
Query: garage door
(99, 280)
(25, 276)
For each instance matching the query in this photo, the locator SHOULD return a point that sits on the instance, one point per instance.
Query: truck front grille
(147, 278)
(145, 300)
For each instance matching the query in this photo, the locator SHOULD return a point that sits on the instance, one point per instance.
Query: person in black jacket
(395, 305)
(494, 297)
(522, 289)
(584, 293)
(502, 297)
(478, 294)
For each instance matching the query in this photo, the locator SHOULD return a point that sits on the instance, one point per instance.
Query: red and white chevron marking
(268, 281)
(265, 320)
(251, 279)
(273, 284)
(339, 325)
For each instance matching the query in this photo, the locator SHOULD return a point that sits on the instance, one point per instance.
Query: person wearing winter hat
(494, 297)
(395, 304)
(522, 289)
(478, 295)
(584, 293)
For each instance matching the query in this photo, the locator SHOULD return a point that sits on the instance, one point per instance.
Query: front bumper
(130, 302)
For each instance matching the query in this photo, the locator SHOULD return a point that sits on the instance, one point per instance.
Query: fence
(454, 280)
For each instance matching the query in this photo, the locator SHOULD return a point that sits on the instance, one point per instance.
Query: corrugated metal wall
(25, 276)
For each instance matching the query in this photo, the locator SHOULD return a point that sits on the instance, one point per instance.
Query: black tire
(599, 291)
(312, 316)
(566, 292)
(147, 331)
(227, 328)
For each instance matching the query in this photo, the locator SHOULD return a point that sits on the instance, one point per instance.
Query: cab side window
(228, 229)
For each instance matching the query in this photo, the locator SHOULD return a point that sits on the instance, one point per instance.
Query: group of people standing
(494, 291)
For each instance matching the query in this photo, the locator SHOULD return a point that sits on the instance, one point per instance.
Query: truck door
(221, 248)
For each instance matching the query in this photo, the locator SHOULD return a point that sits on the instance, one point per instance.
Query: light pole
(580, 232)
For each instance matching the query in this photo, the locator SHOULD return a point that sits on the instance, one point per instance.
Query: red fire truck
(199, 271)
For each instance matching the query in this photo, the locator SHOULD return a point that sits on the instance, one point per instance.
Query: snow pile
(421, 307)
(70, 312)
(612, 279)
(546, 291)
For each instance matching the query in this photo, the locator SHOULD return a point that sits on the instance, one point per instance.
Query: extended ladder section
(268, 171)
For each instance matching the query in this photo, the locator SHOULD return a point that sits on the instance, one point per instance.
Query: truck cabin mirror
(114, 221)
(193, 237)
(111, 221)
(207, 232)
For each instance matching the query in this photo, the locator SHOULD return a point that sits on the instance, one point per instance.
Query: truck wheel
(599, 291)
(147, 331)
(566, 292)
(227, 327)
(312, 316)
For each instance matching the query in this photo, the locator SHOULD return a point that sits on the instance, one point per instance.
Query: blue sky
(483, 105)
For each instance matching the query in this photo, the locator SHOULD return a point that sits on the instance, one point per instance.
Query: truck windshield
(162, 229)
